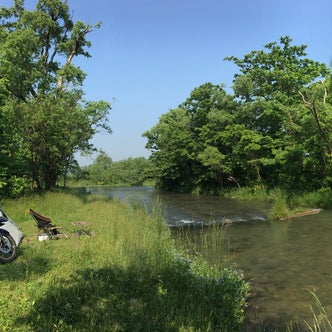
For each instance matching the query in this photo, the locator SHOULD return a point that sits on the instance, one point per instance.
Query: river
(282, 260)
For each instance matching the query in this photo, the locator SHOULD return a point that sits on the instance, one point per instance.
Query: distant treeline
(105, 171)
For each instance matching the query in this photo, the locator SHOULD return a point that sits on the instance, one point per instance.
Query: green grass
(279, 207)
(257, 192)
(321, 198)
(320, 320)
(127, 276)
(284, 204)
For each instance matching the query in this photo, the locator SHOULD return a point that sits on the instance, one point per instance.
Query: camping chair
(45, 226)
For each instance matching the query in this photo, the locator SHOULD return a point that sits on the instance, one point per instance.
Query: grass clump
(320, 320)
(279, 209)
(128, 276)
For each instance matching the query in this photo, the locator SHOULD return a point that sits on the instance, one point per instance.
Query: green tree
(13, 181)
(172, 145)
(130, 171)
(275, 130)
(271, 86)
(100, 169)
(271, 82)
(282, 69)
(43, 87)
(316, 133)
(212, 150)
(187, 153)
(214, 161)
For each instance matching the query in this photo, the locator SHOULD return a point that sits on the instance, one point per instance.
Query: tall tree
(271, 85)
(172, 145)
(37, 50)
(271, 80)
(275, 130)
(186, 150)
(100, 169)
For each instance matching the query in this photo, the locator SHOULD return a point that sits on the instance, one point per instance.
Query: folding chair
(46, 227)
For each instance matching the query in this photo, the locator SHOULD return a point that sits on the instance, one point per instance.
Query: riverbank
(127, 276)
(286, 205)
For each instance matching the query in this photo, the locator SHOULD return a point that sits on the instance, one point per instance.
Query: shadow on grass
(114, 299)
(21, 269)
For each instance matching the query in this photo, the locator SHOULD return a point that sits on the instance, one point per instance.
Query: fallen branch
(301, 214)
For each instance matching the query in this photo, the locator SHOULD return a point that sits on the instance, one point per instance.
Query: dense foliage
(275, 130)
(105, 171)
(44, 119)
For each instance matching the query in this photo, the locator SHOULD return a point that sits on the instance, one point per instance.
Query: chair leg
(63, 234)
(51, 234)
(59, 235)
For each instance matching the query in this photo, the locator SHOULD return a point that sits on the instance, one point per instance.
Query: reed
(320, 320)
(128, 276)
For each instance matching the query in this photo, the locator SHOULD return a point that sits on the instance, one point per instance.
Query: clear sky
(150, 54)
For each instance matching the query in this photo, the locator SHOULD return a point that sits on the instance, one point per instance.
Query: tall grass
(279, 208)
(320, 320)
(210, 241)
(276, 196)
(127, 276)
(321, 198)
(257, 192)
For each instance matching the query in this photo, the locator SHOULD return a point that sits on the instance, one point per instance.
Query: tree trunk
(50, 178)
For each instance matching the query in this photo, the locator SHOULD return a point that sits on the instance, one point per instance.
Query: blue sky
(150, 54)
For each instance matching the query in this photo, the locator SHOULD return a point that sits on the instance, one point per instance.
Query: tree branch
(79, 42)
(311, 105)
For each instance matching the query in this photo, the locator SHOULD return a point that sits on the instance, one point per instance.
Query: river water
(283, 261)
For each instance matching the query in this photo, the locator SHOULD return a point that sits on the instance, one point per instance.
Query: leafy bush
(13, 186)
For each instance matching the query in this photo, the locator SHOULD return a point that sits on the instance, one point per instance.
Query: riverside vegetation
(283, 203)
(128, 276)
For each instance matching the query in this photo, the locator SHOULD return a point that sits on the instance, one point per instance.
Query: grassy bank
(285, 204)
(127, 276)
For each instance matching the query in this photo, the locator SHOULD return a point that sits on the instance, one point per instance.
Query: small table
(82, 225)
